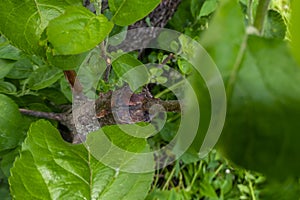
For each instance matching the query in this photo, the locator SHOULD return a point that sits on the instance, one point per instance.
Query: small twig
(98, 6)
(167, 59)
(261, 13)
(250, 13)
(45, 115)
(236, 67)
(169, 178)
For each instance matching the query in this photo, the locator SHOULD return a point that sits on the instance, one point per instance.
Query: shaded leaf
(7, 161)
(274, 26)
(196, 7)
(261, 79)
(11, 132)
(21, 69)
(165, 195)
(5, 67)
(209, 6)
(131, 70)
(4, 190)
(65, 62)
(263, 113)
(183, 16)
(65, 88)
(7, 88)
(54, 95)
(44, 77)
(91, 71)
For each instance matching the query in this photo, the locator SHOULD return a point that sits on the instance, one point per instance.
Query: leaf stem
(197, 173)
(169, 179)
(98, 6)
(236, 67)
(250, 12)
(261, 13)
(251, 190)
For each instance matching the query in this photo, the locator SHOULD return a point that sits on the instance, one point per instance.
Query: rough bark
(109, 109)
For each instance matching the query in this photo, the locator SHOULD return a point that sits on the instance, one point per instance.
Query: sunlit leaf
(295, 30)
(77, 30)
(50, 168)
(23, 22)
(126, 12)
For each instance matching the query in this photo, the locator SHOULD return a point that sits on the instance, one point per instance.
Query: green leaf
(261, 78)
(121, 31)
(7, 88)
(23, 23)
(295, 30)
(131, 70)
(195, 7)
(54, 95)
(5, 67)
(47, 163)
(8, 51)
(7, 161)
(274, 25)
(287, 190)
(126, 12)
(65, 62)
(265, 110)
(44, 77)
(166, 195)
(65, 88)
(184, 15)
(217, 45)
(208, 7)
(4, 190)
(91, 71)
(21, 69)
(184, 66)
(77, 30)
(11, 132)
(208, 190)
(225, 33)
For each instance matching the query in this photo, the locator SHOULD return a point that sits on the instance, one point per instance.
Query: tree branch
(45, 115)
(114, 108)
